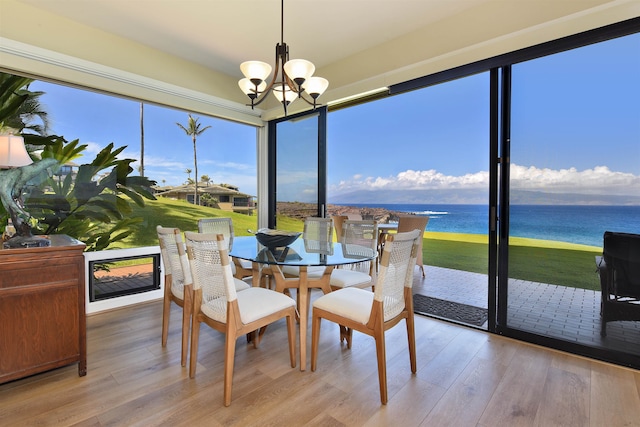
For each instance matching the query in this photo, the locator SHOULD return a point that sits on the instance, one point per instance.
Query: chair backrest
(211, 272)
(338, 220)
(396, 271)
(318, 234)
(174, 259)
(360, 238)
(622, 255)
(221, 225)
(413, 222)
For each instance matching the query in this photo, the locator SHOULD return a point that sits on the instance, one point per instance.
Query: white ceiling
(358, 45)
(220, 34)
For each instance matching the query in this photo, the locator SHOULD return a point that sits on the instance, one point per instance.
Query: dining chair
(217, 304)
(412, 222)
(338, 220)
(373, 313)
(177, 283)
(359, 238)
(223, 225)
(318, 237)
(318, 233)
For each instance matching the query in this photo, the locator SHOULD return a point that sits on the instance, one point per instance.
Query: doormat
(449, 310)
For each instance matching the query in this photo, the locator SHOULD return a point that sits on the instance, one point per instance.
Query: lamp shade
(316, 86)
(288, 96)
(299, 70)
(249, 88)
(255, 70)
(13, 153)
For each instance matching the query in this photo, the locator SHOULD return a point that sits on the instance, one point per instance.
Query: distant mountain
(478, 197)
(471, 197)
(521, 197)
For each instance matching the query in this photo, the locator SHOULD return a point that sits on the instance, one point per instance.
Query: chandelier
(292, 78)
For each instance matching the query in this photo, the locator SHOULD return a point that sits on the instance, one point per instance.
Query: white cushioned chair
(359, 238)
(177, 283)
(222, 225)
(373, 313)
(217, 304)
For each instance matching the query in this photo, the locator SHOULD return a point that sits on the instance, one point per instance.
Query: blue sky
(575, 127)
(226, 151)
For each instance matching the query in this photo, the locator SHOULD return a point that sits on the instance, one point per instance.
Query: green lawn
(542, 261)
(530, 259)
(179, 213)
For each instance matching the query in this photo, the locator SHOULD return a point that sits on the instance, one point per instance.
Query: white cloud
(226, 165)
(599, 180)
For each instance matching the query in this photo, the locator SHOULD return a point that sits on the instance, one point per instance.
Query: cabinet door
(40, 319)
(38, 328)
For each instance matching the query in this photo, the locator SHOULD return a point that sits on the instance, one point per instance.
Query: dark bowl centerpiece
(276, 238)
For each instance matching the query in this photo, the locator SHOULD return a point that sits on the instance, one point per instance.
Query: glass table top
(301, 252)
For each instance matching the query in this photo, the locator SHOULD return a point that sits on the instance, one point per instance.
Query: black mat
(449, 310)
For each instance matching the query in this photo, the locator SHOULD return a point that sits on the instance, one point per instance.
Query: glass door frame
(272, 144)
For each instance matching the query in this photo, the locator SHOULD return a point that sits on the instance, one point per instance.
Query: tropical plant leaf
(94, 202)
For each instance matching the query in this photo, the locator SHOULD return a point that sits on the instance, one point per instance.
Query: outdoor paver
(551, 310)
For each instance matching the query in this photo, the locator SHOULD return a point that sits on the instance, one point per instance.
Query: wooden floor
(465, 377)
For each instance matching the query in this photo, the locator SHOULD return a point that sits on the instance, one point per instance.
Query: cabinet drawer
(34, 273)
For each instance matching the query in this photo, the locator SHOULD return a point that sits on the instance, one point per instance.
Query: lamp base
(26, 242)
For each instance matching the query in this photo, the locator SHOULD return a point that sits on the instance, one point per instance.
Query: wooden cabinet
(42, 309)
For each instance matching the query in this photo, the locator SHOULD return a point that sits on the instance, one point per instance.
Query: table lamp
(17, 170)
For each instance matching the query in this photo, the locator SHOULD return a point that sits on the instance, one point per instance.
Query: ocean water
(574, 224)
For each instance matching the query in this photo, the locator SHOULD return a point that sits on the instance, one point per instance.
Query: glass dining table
(308, 258)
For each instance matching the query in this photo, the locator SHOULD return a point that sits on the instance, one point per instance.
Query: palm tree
(188, 172)
(205, 179)
(194, 130)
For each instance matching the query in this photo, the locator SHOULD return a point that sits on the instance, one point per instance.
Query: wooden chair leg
(315, 337)
(346, 335)
(411, 335)
(287, 292)
(193, 360)
(382, 366)
(166, 311)
(229, 359)
(186, 317)
(291, 332)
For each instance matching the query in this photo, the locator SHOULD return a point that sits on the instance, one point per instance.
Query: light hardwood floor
(465, 377)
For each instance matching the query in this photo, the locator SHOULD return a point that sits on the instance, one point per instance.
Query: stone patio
(556, 311)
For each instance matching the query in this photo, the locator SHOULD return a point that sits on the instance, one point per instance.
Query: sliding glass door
(574, 173)
(426, 152)
(297, 162)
